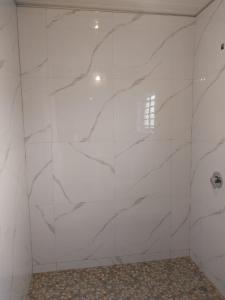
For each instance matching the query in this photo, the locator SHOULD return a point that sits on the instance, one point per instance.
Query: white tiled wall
(15, 246)
(108, 181)
(208, 205)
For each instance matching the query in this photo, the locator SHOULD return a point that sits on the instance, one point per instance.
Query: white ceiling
(177, 7)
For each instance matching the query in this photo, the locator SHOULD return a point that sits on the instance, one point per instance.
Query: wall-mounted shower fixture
(222, 46)
(216, 180)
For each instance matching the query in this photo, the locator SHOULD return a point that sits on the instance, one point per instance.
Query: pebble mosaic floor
(177, 279)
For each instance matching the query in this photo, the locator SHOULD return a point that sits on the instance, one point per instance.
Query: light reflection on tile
(112, 125)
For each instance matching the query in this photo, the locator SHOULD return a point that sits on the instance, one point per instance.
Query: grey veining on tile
(42, 130)
(42, 214)
(16, 93)
(158, 110)
(15, 99)
(59, 183)
(60, 17)
(164, 41)
(162, 164)
(99, 161)
(159, 224)
(203, 157)
(37, 175)
(186, 218)
(213, 214)
(35, 68)
(100, 145)
(118, 213)
(210, 19)
(15, 253)
(207, 215)
(171, 97)
(134, 84)
(136, 143)
(97, 47)
(75, 208)
(211, 84)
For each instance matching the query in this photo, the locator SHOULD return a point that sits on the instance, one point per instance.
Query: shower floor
(176, 279)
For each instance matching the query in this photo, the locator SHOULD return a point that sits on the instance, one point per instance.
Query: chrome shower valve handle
(216, 180)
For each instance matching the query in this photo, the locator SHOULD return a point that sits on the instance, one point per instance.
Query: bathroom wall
(107, 105)
(15, 246)
(208, 205)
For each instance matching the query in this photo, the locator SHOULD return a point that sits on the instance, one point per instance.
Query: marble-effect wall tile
(207, 205)
(107, 123)
(15, 244)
